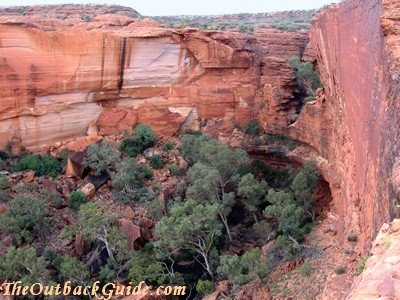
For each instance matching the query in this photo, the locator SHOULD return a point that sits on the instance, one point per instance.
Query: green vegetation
(71, 268)
(100, 157)
(128, 181)
(3, 155)
(308, 80)
(205, 287)
(25, 219)
(24, 264)
(361, 264)
(340, 270)
(77, 198)
(157, 161)
(42, 165)
(253, 192)
(143, 138)
(352, 238)
(241, 270)
(279, 140)
(253, 128)
(191, 226)
(176, 170)
(169, 146)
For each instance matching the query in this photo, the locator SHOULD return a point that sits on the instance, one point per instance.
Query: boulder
(29, 176)
(88, 189)
(132, 233)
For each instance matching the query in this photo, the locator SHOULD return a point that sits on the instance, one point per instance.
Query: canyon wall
(354, 126)
(55, 83)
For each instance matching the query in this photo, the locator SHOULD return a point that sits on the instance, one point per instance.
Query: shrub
(240, 270)
(361, 265)
(157, 162)
(340, 270)
(308, 80)
(129, 179)
(23, 262)
(25, 217)
(205, 287)
(169, 146)
(100, 157)
(253, 128)
(305, 269)
(77, 198)
(280, 140)
(42, 165)
(176, 170)
(3, 155)
(71, 268)
(352, 238)
(51, 166)
(143, 138)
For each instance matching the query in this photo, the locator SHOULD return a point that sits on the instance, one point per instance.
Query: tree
(307, 79)
(303, 186)
(216, 169)
(253, 192)
(288, 213)
(24, 264)
(96, 225)
(100, 157)
(71, 268)
(191, 226)
(240, 270)
(190, 146)
(129, 179)
(25, 218)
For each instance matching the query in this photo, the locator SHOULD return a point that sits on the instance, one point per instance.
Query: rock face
(60, 76)
(353, 128)
(380, 278)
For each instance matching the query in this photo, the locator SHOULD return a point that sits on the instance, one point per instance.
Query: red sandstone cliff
(354, 126)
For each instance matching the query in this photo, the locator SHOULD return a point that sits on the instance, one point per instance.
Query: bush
(308, 80)
(169, 146)
(176, 170)
(280, 140)
(101, 157)
(305, 269)
(42, 165)
(129, 179)
(23, 262)
(340, 270)
(253, 128)
(143, 138)
(157, 162)
(352, 238)
(361, 265)
(25, 218)
(205, 287)
(77, 198)
(3, 155)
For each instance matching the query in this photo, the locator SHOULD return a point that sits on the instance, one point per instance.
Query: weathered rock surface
(381, 278)
(353, 128)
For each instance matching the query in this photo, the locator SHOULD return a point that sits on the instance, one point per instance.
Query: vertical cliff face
(54, 83)
(354, 126)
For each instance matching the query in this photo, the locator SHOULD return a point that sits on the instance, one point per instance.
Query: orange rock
(132, 233)
(29, 176)
(129, 213)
